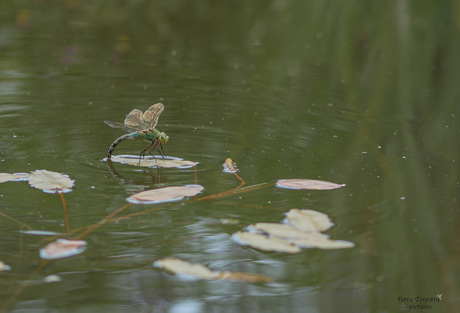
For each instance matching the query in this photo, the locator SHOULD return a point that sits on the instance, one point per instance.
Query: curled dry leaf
(309, 184)
(63, 248)
(4, 267)
(167, 162)
(166, 194)
(230, 166)
(263, 242)
(198, 271)
(5, 177)
(308, 220)
(50, 182)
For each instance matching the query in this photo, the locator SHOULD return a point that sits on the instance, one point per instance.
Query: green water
(362, 93)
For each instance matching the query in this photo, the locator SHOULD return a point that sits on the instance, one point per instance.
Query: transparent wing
(135, 119)
(127, 129)
(151, 116)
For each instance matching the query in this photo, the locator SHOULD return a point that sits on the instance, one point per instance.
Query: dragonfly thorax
(152, 135)
(149, 134)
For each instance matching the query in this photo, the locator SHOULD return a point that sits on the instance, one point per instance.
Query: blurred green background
(357, 92)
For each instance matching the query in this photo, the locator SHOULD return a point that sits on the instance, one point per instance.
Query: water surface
(358, 93)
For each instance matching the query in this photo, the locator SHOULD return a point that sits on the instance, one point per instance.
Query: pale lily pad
(50, 182)
(308, 220)
(263, 242)
(309, 184)
(63, 248)
(196, 271)
(323, 243)
(5, 177)
(230, 166)
(166, 194)
(186, 269)
(167, 162)
(4, 267)
(284, 231)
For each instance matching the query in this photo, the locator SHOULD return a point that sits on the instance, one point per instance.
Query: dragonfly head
(163, 138)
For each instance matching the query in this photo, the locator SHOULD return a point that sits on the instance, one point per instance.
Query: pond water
(364, 94)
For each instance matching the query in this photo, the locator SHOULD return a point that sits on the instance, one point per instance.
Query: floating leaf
(52, 278)
(39, 232)
(166, 194)
(264, 243)
(198, 271)
(229, 221)
(309, 184)
(5, 177)
(189, 270)
(230, 166)
(4, 267)
(50, 182)
(308, 220)
(167, 162)
(63, 248)
(247, 277)
(283, 231)
(323, 243)
(312, 239)
(301, 230)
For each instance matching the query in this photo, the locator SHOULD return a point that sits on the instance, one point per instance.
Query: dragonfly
(141, 126)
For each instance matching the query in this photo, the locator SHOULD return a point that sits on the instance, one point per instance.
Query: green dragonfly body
(141, 126)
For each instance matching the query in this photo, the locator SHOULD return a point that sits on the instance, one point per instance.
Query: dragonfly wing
(151, 116)
(135, 119)
(120, 125)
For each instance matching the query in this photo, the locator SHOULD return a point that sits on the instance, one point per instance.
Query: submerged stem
(67, 228)
(101, 222)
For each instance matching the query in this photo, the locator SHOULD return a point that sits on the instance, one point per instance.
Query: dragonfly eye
(164, 138)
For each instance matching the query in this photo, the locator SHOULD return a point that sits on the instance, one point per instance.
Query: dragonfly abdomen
(134, 135)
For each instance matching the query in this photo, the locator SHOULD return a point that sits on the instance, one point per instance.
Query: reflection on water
(364, 94)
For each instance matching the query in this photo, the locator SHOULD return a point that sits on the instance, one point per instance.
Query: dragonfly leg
(142, 155)
(154, 145)
(161, 151)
